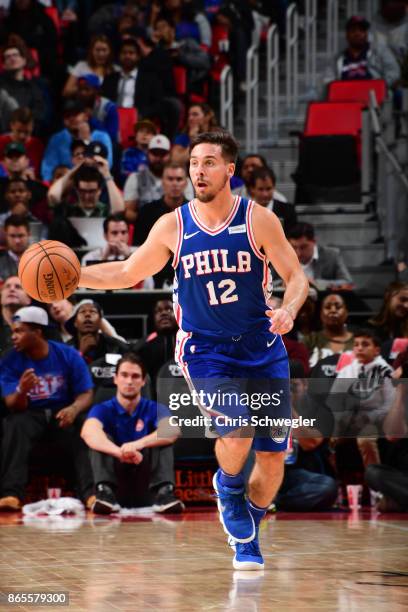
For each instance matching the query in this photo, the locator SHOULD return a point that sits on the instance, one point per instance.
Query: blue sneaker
(233, 512)
(247, 556)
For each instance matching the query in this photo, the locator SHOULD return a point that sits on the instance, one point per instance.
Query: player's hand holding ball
(49, 271)
(281, 320)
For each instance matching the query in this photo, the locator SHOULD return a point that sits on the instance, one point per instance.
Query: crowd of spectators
(71, 76)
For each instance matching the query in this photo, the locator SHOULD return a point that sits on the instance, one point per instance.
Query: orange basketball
(49, 271)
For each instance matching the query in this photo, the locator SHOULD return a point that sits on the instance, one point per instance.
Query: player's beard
(130, 396)
(210, 195)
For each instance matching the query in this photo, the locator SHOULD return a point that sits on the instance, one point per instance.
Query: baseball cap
(160, 142)
(14, 148)
(145, 124)
(96, 148)
(31, 314)
(356, 21)
(90, 79)
(69, 324)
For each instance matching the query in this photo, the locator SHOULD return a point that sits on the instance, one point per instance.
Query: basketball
(49, 271)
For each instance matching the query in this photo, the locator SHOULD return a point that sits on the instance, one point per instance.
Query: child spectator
(362, 394)
(135, 157)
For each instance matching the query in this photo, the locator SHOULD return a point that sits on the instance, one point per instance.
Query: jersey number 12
(226, 297)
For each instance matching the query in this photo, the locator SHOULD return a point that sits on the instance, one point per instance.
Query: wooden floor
(313, 562)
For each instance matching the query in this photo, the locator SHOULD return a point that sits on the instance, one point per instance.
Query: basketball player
(220, 247)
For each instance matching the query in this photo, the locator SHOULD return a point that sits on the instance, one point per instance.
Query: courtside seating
(127, 120)
(357, 91)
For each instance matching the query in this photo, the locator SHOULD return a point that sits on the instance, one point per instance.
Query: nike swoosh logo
(269, 344)
(187, 236)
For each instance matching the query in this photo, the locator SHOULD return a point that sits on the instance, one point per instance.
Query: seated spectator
(135, 157)
(12, 298)
(389, 27)
(85, 156)
(200, 118)
(62, 310)
(29, 20)
(17, 238)
(174, 183)
(308, 484)
(156, 65)
(18, 199)
(185, 52)
(26, 92)
(392, 320)
(146, 184)
(21, 131)
(297, 351)
(248, 165)
(261, 185)
(46, 386)
(323, 266)
(362, 395)
(363, 59)
(334, 337)
(103, 114)
(116, 233)
(85, 326)
(159, 346)
(390, 477)
(99, 61)
(124, 86)
(124, 430)
(88, 182)
(189, 22)
(16, 165)
(77, 126)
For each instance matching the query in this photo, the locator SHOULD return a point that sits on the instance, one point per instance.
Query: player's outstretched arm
(270, 238)
(147, 260)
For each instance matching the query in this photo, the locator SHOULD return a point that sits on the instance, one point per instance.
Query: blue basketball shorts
(242, 380)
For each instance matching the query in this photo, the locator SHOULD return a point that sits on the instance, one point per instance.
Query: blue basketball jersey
(222, 280)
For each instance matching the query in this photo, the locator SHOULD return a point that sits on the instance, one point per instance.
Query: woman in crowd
(392, 320)
(200, 118)
(334, 337)
(99, 61)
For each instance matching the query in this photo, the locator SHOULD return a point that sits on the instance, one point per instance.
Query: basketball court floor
(331, 561)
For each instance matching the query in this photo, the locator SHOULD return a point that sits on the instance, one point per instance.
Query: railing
(272, 78)
(227, 99)
(292, 57)
(252, 99)
(310, 41)
(332, 28)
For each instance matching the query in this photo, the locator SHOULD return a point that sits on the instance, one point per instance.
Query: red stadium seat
(331, 118)
(127, 120)
(180, 80)
(357, 91)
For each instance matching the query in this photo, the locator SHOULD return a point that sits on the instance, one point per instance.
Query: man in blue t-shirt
(125, 428)
(45, 385)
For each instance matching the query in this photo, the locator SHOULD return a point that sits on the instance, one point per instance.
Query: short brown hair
(174, 165)
(228, 144)
(132, 358)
